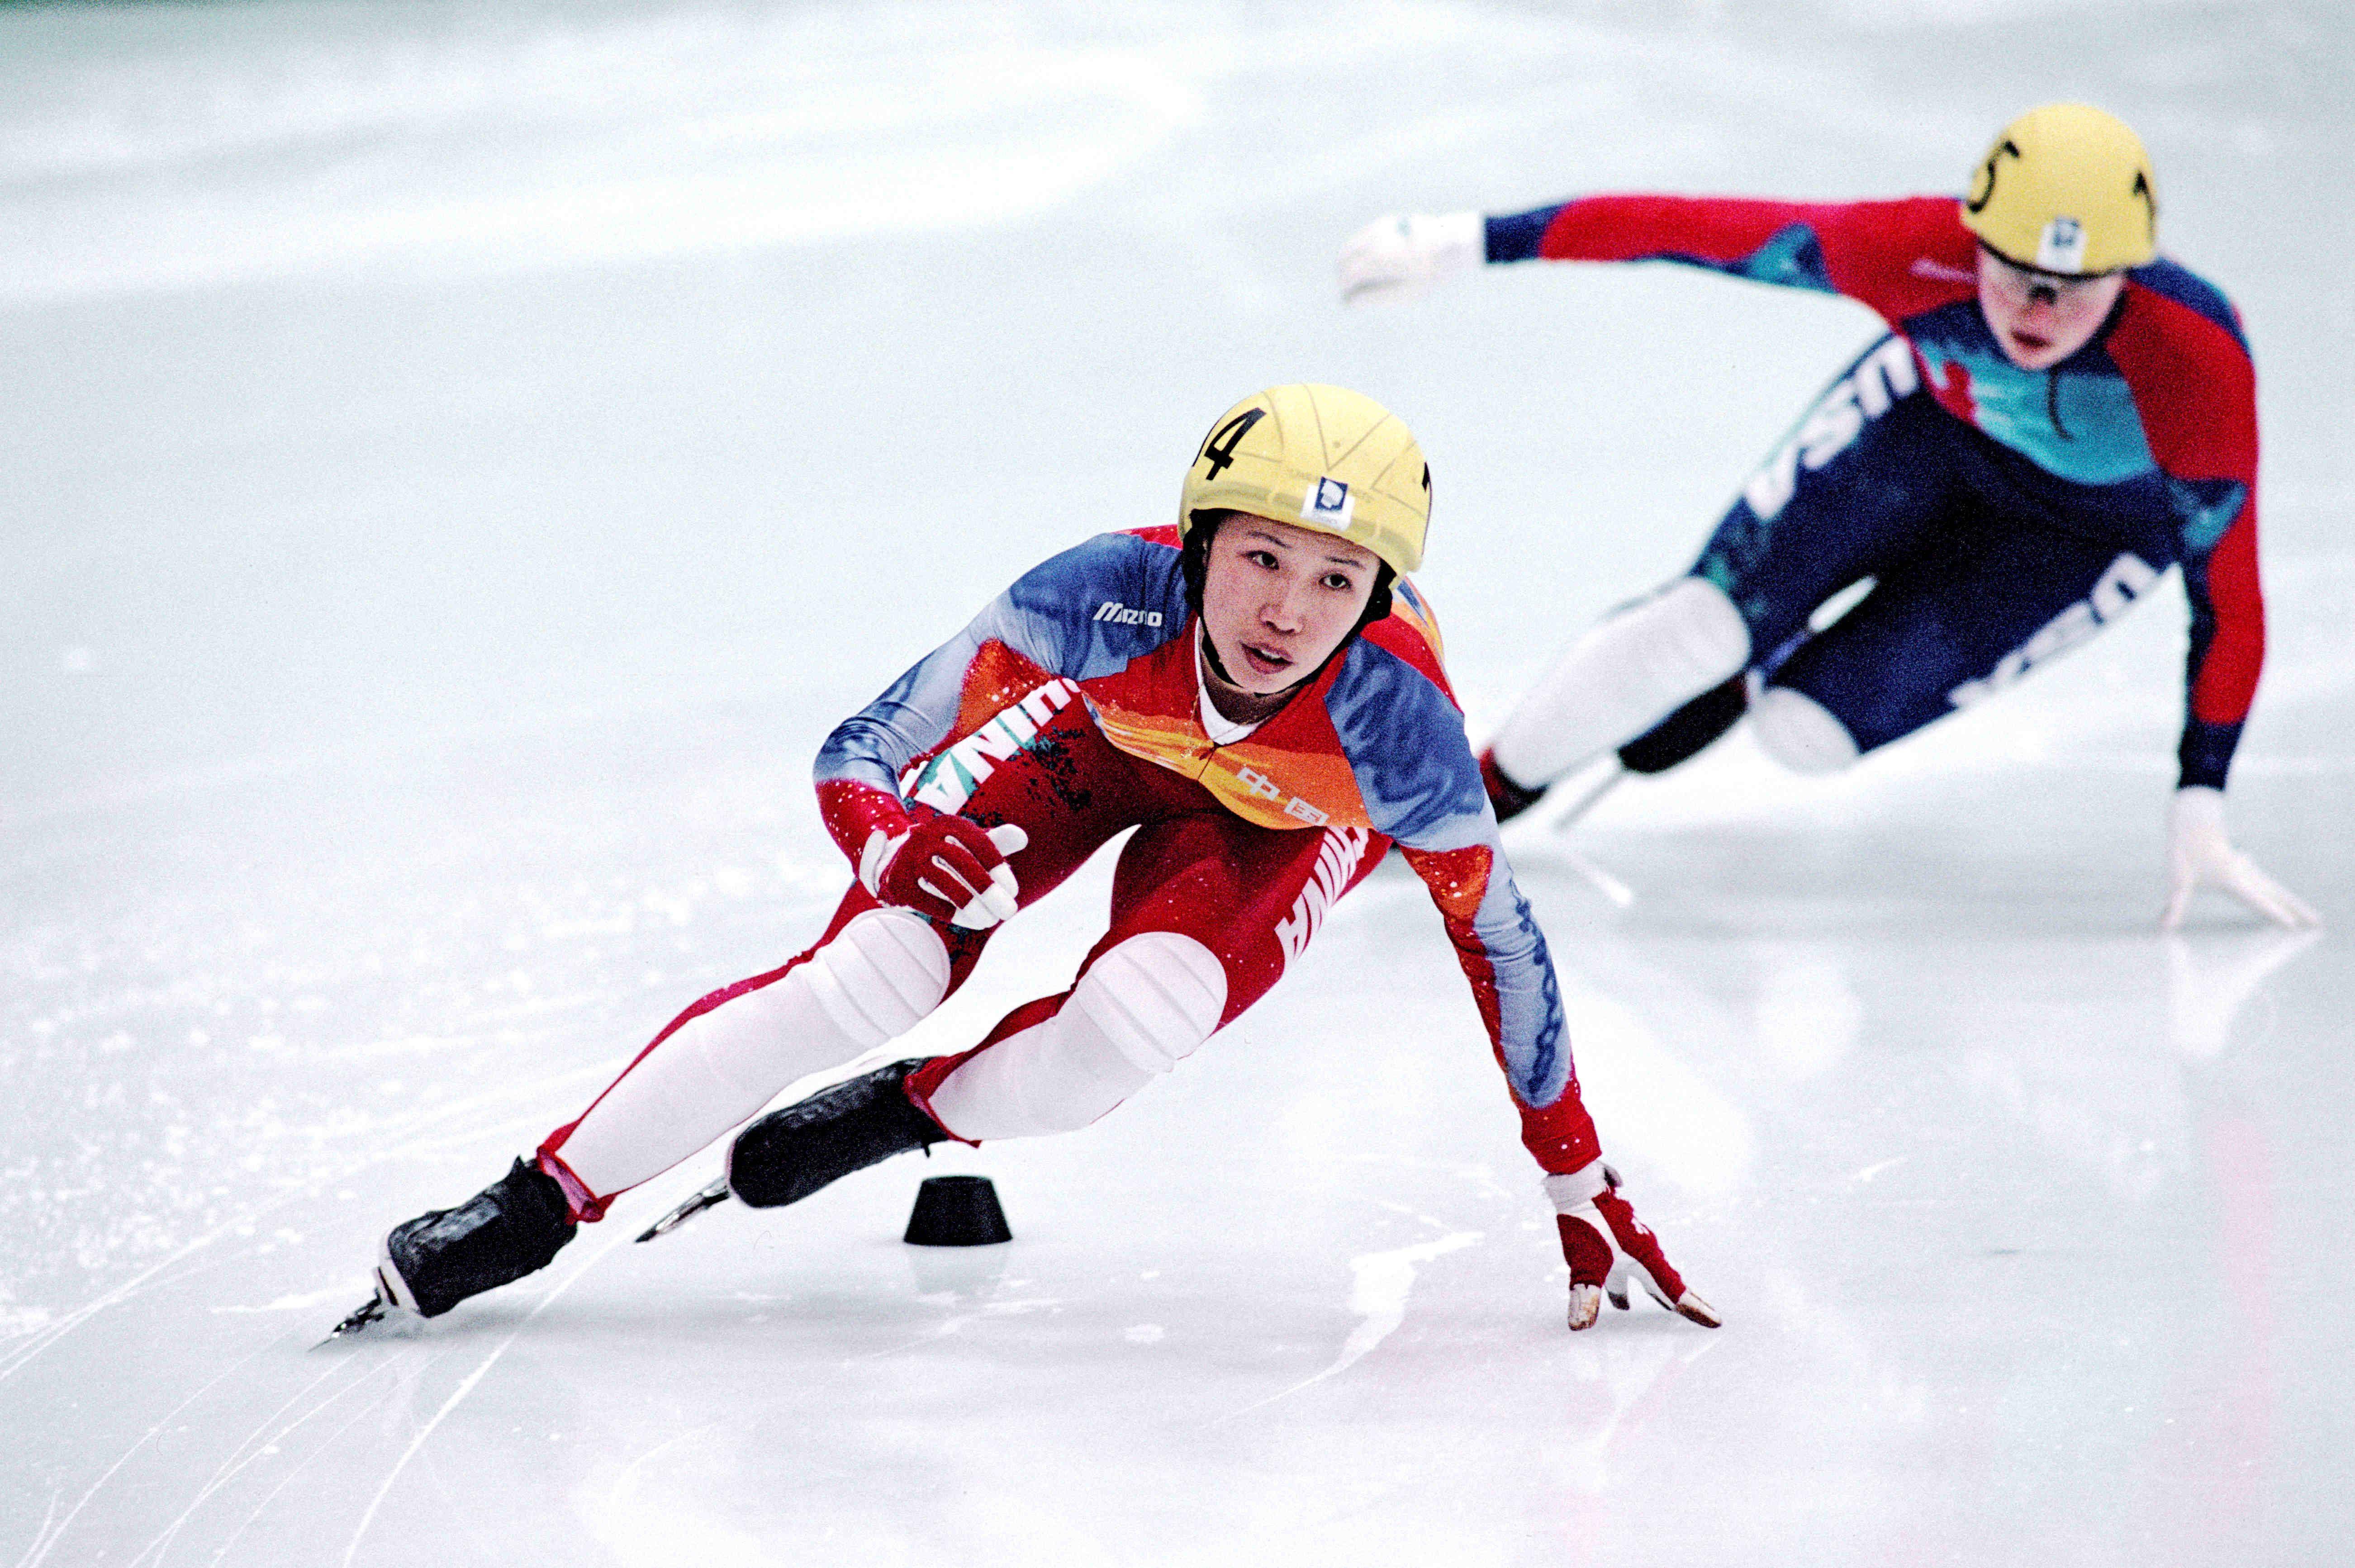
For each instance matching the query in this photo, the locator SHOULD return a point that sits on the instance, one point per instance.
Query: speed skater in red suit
(1258, 692)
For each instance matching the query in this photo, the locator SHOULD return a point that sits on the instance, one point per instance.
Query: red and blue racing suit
(1072, 706)
(2003, 513)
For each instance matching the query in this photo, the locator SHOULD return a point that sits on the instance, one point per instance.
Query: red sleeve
(1898, 257)
(2196, 390)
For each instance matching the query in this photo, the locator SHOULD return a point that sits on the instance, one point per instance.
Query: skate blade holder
(956, 1211)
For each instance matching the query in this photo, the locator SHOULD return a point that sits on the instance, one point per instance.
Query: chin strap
(1210, 654)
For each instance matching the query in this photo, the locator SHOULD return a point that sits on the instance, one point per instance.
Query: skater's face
(2042, 318)
(1277, 599)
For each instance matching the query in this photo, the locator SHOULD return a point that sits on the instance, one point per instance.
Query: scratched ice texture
(461, 458)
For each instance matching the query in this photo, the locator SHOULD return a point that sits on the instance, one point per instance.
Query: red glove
(1600, 1236)
(945, 868)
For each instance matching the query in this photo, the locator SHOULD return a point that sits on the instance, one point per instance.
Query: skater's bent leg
(1142, 1006)
(1623, 677)
(882, 972)
(1966, 618)
(1208, 911)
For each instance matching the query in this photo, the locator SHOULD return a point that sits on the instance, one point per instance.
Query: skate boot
(788, 1154)
(1510, 799)
(1689, 730)
(509, 1229)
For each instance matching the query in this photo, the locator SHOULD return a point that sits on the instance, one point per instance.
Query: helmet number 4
(1218, 451)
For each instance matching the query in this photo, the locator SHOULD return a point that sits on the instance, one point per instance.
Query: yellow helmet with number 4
(2066, 189)
(1322, 457)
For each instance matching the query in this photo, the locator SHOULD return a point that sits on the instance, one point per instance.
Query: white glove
(2198, 851)
(1401, 258)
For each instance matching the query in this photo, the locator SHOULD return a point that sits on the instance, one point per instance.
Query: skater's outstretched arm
(1404, 737)
(1871, 251)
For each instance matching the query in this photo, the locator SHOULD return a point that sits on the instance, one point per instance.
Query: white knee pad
(1632, 671)
(1140, 1011)
(882, 972)
(1799, 732)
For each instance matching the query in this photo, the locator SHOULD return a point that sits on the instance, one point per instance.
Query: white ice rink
(458, 459)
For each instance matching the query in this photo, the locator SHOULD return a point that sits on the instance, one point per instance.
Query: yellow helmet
(2066, 189)
(1322, 457)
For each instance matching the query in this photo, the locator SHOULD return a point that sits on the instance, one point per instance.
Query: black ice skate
(1690, 729)
(788, 1154)
(509, 1229)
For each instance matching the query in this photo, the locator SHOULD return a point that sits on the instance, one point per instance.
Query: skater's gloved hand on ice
(2198, 852)
(945, 868)
(1607, 1245)
(1401, 257)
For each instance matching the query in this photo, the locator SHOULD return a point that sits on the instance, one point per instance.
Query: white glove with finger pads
(2198, 852)
(947, 868)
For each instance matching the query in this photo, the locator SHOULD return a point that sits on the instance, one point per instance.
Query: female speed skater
(2057, 416)
(1256, 691)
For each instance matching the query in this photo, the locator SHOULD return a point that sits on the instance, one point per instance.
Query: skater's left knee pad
(1800, 732)
(1140, 1010)
(882, 974)
(1154, 997)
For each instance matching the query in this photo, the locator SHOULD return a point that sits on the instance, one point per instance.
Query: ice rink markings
(468, 1385)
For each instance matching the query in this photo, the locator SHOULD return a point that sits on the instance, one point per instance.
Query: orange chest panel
(1288, 773)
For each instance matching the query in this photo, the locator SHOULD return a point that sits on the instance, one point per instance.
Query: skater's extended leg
(880, 974)
(1622, 678)
(1865, 475)
(878, 970)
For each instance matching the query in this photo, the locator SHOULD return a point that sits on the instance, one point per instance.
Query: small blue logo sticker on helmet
(1328, 505)
(2061, 247)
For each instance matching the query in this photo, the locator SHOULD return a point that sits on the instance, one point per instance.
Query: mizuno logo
(1121, 615)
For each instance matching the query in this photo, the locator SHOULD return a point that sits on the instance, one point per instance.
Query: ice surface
(461, 457)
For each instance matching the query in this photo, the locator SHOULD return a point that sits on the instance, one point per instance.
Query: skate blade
(372, 1310)
(1585, 791)
(715, 1193)
(1602, 881)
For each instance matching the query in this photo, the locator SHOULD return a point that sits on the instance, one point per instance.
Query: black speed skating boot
(509, 1229)
(788, 1154)
(1685, 732)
